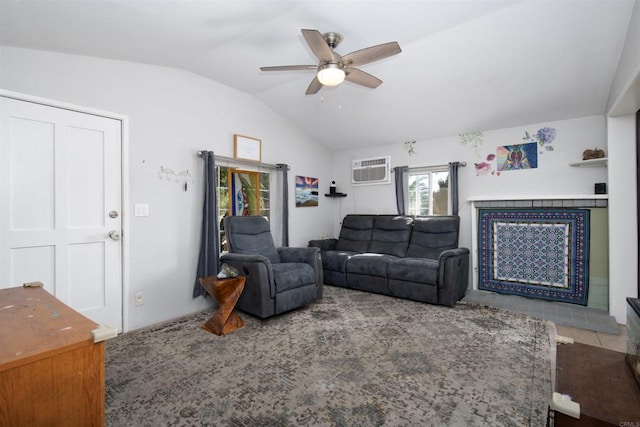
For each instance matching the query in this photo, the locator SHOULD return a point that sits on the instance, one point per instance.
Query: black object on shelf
(335, 195)
(600, 188)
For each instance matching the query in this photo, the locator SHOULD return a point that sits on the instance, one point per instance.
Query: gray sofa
(416, 258)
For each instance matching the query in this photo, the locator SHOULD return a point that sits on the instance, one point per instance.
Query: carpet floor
(352, 359)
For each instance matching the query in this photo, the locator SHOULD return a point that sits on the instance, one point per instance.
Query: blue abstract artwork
(516, 157)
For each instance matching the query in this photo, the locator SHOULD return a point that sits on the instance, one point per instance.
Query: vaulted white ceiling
(465, 66)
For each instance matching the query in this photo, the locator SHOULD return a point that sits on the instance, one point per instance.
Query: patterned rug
(353, 359)
(539, 253)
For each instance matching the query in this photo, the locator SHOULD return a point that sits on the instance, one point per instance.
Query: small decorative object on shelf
(600, 188)
(333, 191)
(592, 154)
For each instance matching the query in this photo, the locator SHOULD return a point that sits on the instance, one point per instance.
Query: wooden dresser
(51, 372)
(601, 382)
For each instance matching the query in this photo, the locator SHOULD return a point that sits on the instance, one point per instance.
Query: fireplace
(585, 282)
(539, 253)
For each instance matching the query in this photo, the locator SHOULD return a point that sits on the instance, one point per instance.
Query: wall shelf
(591, 163)
(335, 195)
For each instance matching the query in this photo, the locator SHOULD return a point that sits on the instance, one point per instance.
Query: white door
(60, 197)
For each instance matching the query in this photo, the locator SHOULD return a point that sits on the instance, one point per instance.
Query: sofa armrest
(306, 255)
(454, 252)
(324, 244)
(453, 275)
(309, 256)
(258, 270)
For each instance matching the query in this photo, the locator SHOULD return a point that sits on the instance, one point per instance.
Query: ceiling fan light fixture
(331, 74)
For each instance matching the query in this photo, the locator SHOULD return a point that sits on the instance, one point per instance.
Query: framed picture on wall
(247, 148)
(306, 191)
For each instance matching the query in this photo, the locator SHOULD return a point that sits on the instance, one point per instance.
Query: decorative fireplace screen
(539, 253)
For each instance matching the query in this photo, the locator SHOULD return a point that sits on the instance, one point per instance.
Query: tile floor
(585, 325)
(596, 339)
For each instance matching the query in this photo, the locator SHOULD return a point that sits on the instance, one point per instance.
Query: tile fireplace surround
(526, 202)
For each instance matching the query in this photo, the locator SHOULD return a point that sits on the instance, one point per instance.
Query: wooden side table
(51, 371)
(226, 292)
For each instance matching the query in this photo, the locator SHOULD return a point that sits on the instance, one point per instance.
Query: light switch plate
(141, 210)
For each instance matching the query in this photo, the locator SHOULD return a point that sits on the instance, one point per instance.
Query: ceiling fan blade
(289, 68)
(371, 54)
(318, 45)
(361, 78)
(314, 87)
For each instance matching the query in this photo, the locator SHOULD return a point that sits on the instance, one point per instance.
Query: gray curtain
(399, 172)
(209, 260)
(285, 203)
(453, 186)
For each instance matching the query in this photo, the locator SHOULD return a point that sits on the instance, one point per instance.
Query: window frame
(224, 193)
(432, 171)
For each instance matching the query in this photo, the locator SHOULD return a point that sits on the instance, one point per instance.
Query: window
(428, 191)
(242, 192)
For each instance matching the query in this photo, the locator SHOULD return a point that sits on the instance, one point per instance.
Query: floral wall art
(513, 157)
(410, 146)
(473, 140)
(544, 137)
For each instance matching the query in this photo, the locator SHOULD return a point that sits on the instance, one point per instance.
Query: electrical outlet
(139, 298)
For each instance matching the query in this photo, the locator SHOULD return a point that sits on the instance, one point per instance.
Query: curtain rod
(270, 166)
(243, 162)
(462, 164)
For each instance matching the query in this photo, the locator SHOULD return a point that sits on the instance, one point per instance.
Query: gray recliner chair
(278, 279)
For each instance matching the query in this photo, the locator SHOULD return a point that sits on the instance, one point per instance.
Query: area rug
(352, 359)
(538, 253)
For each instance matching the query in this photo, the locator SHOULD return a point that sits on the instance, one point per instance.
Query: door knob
(114, 235)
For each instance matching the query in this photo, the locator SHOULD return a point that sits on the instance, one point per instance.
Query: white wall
(629, 63)
(172, 115)
(553, 176)
(624, 101)
(623, 216)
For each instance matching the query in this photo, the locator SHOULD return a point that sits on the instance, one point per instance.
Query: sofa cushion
(391, 235)
(251, 236)
(289, 275)
(336, 260)
(419, 270)
(432, 235)
(355, 233)
(369, 264)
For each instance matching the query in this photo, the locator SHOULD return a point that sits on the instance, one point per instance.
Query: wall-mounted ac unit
(371, 171)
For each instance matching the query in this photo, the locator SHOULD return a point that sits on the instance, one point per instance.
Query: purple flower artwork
(543, 137)
(546, 135)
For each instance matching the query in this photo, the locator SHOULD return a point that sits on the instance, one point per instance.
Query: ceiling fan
(333, 68)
